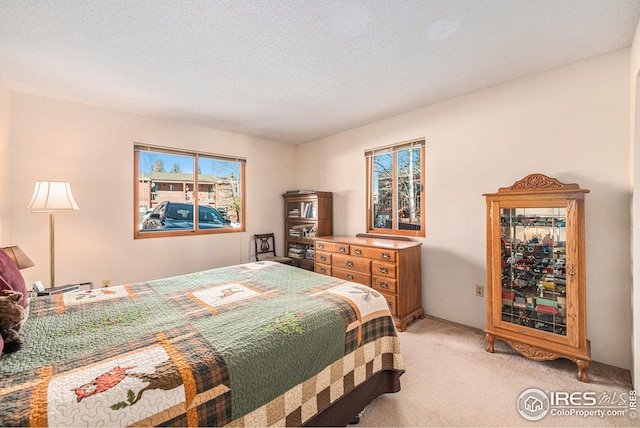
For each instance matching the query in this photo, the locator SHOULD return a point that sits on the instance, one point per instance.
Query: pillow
(11, 278)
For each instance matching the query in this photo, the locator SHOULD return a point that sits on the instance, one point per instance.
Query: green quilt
(254, 344)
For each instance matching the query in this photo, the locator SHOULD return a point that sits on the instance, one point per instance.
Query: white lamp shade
(52, 196)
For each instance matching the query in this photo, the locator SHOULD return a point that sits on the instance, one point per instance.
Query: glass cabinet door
(533, 268)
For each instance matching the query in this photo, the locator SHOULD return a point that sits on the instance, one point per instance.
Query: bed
(256, 344)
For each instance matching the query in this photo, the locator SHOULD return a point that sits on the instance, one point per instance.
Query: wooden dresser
(392, 267)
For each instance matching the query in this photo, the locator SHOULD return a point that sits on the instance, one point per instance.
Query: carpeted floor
(451, 381)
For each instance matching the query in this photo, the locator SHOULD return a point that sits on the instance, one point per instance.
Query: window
(173, 200)
(395, 189)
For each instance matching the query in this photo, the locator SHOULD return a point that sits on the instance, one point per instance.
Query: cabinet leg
(490, 340)
(582, 370)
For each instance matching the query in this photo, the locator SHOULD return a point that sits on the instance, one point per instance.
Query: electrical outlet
(479, 290)
(106, 282)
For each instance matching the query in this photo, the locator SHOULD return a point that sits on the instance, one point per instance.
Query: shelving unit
(536, 298)
(308, 214)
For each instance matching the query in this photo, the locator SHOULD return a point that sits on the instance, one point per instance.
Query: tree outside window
(395, 180)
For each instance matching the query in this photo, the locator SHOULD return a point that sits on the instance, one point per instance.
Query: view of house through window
(172, 199)
(395, 185)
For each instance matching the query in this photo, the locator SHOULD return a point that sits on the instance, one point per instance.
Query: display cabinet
(307, 214)
(536, 298)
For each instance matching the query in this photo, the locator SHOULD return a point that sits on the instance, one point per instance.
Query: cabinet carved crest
(537, 182)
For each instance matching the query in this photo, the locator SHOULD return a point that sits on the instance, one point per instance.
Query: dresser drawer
(323, 269)
(333, 247)
(323, 257)
(374, 253)
(391, 302)
(356, 264)
(349, 275)
(383, 269)
(384, 284)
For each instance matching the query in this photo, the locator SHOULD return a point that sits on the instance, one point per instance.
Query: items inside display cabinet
(533, 252)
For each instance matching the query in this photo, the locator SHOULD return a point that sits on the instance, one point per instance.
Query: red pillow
(11, 278)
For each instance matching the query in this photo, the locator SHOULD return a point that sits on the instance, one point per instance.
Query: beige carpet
(451, 381)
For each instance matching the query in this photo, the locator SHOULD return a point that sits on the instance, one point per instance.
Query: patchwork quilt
(257, 344)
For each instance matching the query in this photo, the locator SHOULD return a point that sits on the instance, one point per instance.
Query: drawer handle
(323, 258)
(323, 270)
(350, 277)
(386, 256)
(383, 284)
(349, 263)
(321, 246)
(342, 249)
(357, 251)
(383, 269)
(389, 304)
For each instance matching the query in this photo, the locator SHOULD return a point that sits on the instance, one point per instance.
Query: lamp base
(38, 286)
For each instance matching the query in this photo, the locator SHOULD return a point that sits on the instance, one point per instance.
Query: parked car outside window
(179, 216)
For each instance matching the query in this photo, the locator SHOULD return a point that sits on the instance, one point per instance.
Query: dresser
(392, 267)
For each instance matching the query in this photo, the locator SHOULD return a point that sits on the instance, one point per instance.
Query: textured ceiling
(293, 71)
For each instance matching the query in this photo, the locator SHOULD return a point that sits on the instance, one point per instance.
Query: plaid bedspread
(257, 344)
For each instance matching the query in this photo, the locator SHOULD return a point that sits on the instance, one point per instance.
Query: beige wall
(92, 148)
(4, 165)
(570, 123)
(634, 139)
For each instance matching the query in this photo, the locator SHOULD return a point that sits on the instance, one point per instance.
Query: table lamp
(20, 259)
